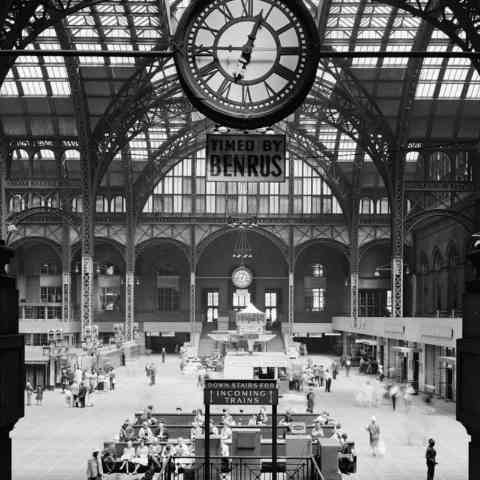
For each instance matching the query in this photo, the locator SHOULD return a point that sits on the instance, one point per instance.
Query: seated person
(155, 455)
(287, 419)
(162, 433)
(317, 430)
(214, 429)
(252, 420)
(145, 433)
(262, 417)
(108, 457)
(226, 433)
(346, 455)
(141, 456)
(182, 449)
(196, 431)
(127, 432)
(199, 417)
(127, 458)
(228, 419)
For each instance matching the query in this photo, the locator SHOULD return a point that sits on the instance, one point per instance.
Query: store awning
(366, 341)
(398, 348)
(448, 360)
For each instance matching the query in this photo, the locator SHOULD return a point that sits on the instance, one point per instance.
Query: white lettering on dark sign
(245, 158)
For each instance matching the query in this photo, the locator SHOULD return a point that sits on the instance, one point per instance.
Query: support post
(398, 234)
(130, 250)
(3, 196)
(66, 272)
(291, 284)
(193, 281)
(274, 442)
(206, 469)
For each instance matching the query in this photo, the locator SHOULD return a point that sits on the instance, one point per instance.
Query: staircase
(206, 346)
(276, 344)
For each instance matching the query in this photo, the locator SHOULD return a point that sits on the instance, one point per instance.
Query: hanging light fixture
(242, 250)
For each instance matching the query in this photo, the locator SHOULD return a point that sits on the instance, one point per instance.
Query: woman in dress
(141, 456)
(374, 435)
(127, 457)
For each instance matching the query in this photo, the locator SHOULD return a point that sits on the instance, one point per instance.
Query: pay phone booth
(240, 393)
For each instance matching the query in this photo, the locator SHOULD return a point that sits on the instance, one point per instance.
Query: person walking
(112, 380)
(348, 365)
(374, 435)
(394, 391)
(94, 467)
(29, 389)
(431, 459)
(153, 372)
(164, 352)
(82, 393)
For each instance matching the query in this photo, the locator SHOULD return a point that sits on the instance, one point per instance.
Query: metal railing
(247, 468)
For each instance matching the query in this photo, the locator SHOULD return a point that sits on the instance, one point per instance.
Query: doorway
(404, 369)
(449, 383)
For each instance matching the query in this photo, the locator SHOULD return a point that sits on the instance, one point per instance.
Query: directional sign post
(240, 392)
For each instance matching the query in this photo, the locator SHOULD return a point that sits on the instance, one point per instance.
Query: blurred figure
(29, 390)
(94, 467)
(394, 392)
(374, 435)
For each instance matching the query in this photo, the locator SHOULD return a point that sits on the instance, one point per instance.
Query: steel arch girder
(458, 19)
(187, 142)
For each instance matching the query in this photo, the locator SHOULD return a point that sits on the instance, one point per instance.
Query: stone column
(193, 282)
(66, 272)
(12, 363)
(291, 282)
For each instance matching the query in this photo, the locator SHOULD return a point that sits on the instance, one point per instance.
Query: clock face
(242, 277)
(246, 63)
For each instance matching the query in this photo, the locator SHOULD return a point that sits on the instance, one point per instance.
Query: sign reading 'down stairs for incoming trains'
(245, 158)
(241, 392)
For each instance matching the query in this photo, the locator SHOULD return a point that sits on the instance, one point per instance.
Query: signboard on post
(241, 392)
(245, 157)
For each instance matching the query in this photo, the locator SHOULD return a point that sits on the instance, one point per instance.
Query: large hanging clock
(242, 277)
(246, 63)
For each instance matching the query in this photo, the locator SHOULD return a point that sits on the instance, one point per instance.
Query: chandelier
(242, 250)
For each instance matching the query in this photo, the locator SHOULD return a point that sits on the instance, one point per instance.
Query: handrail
(317, 468)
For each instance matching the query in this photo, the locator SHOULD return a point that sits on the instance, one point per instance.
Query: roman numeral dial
(243, 61)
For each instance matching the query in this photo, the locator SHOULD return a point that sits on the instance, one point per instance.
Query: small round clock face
(242, 277)
(246, 63)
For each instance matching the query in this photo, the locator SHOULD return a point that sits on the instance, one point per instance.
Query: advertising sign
(245, 158)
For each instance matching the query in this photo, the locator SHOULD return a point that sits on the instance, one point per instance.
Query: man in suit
(94, 467)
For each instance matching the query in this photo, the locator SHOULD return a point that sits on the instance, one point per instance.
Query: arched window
(77, 205)
(101, 205)
(52, 201)
(35, 201)
(185, 189)
(367, 206)
(17, 203)
(383, 206)
(318, 270)
(117, 205)
(439, 166)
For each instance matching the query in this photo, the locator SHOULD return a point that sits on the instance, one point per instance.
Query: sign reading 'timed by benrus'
(241, 392)
(245, 158)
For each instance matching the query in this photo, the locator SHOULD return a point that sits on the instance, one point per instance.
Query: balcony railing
(40, 311)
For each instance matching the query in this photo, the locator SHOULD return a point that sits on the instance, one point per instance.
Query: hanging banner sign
(245, 158)
(241, 392)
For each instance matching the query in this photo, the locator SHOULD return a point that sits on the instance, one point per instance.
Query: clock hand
(247, 49)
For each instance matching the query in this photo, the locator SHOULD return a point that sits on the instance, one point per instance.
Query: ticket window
(264, 373)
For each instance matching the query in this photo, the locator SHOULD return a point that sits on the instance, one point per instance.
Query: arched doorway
(162, 300)
(218, 294)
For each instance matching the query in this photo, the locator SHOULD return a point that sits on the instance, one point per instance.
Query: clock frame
(242, 277)
(246, 64)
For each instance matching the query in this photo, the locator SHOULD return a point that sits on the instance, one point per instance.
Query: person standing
(82, 393)
(112, 380)
(152, 374)
(39, 395)
(374, 435)
(431, 458)
(94, 467)
(29, 389)
(328, 380)
(163, 354)
(348, 365)
(310, 401)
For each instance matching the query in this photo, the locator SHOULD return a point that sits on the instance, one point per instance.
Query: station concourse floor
(53, 441)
